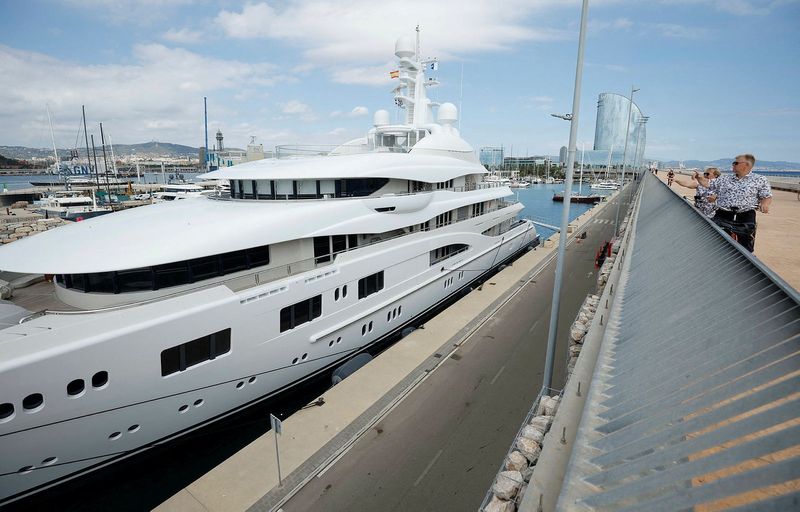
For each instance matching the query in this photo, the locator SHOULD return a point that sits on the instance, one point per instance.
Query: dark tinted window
(204, 268)
(258, 256)
(301, 312)
(370, 284)
(101, 282)
(171, 274)
(339, 243)
(322, 249)
(186, 355)
(135, 280)
(233, 261)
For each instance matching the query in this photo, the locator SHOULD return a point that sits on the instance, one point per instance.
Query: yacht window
(442, 253)
(300, 313)
(360, 187)
(204, 268)
(258, 256)
(284, 188)
(264, 189)
(370, 284)
(327, 187)
(79, 282)
(171, 274)
(135, 280)
(100, 282)
(233, 261)
(306, 189)
(249, 193)
(322, 249)
(339, 243)
(186, 355)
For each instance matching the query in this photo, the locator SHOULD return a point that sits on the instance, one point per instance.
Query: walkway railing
(694, 400)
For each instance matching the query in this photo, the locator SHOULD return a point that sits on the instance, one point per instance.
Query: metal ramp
(694, 401)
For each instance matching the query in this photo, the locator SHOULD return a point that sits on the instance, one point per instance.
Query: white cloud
(183, 36)
(298, 109)
(675, 31)
(539, 102)
(361, 31)
(159, 95)
(356, 112)
(337, 131)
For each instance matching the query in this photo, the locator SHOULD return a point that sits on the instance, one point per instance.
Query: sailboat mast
(94, 152)
(53, 139)
(89, 155)
(105, 163)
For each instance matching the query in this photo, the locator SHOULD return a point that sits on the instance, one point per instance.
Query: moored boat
(194, 310)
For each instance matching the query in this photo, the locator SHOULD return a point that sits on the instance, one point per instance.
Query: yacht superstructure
(196, 309)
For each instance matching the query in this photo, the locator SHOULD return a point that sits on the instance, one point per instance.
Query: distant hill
(12, 163)
(147, 150)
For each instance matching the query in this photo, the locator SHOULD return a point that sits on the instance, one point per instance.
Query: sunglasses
(706, 174)
(737, 163)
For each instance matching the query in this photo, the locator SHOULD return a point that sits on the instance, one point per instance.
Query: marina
(420, 286)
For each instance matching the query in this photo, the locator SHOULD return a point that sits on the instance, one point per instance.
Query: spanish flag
(394, 74)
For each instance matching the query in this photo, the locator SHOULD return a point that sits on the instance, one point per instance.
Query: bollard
(579, 389)
(564, 436)
(601, 319)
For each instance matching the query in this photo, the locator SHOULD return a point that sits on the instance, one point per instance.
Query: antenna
(418, 57)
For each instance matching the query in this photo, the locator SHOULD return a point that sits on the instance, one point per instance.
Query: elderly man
(738, 195)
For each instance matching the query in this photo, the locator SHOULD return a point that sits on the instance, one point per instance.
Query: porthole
(251, 379)
(294, 361)
(26, 469)
(339, 339)
(182, 409)
(76, 388)
(399, 310)
(389, 316)
(49, 460)
(115, 436)
(304, 357)
(133, 428)
(100, 379)
(364, 329)
(336, 294)
(330, 343)
(370, 326)
(240, 385)
(344, 291)
(198, 402)
(6, 412)
(33, 402)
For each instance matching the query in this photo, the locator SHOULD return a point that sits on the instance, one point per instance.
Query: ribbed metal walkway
(695, 397)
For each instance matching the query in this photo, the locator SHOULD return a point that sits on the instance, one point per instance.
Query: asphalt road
(440, 448)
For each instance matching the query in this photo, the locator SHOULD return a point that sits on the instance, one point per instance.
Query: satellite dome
(380, 118)
(404, 47)
(448, 113)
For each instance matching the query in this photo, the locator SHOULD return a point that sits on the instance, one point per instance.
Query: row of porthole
(251, 380)
(185, 407)
(116, 435)
(49, 461)
(448, 282)
(394, 313)
(366, 328)
(300, 359)
(343, 293)
(335, 342)
(35, 401)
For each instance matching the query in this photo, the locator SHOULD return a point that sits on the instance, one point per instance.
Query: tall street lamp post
(624, 159)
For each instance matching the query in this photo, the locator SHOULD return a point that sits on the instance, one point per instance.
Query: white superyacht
(177, 314)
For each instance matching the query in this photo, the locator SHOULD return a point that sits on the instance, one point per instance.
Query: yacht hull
(136, 407)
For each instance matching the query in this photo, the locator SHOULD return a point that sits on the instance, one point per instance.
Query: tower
(220, 147)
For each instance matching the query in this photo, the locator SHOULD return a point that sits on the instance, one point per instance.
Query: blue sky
(717, 77)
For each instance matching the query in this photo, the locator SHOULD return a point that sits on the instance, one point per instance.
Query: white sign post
(276, 428)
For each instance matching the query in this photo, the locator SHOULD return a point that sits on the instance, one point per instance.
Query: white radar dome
(381, 118)
(404, 47)
(448, 113)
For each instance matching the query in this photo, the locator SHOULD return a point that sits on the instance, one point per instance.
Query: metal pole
(562, 239)
(205, 111)
(278, 457)
(624, 158)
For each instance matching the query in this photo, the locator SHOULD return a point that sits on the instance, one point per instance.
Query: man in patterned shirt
(738, 195)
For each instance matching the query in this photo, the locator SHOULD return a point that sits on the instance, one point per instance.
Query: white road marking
(428, 468)
(498, 374)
